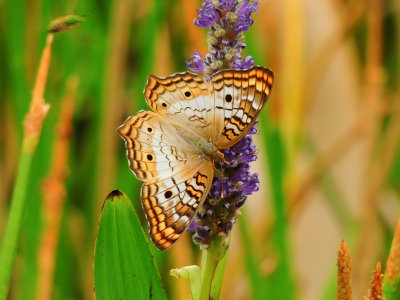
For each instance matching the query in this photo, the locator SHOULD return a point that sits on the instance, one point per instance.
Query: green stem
(213, 266)
(11, 234)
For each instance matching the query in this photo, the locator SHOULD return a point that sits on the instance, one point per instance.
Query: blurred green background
(329, 155)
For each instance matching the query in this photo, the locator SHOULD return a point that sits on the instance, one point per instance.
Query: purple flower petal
(208, 16)
(222, 187)
(196, 63)
(228, 4)
(241, 174)
(244, 12)
(244, 64)
(192, 227)
(247, 158)
(253, 129)
(251, 186)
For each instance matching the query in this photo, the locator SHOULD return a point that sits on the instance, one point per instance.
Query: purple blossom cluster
(227, 20)
(233, 181)
(231, 186)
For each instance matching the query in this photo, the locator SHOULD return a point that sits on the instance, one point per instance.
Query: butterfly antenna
(218, 173)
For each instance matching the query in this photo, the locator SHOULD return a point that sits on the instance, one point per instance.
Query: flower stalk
(55, 195)
(213, 266)
(227, 20)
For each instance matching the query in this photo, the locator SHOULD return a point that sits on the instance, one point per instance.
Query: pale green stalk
(212, 269)
(11, 234)
(206, 282)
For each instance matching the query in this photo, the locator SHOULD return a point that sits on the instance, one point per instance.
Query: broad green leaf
(124, 267)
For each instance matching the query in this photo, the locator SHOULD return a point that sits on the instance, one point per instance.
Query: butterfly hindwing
(153, 147)
(171, 203)
(239, 96)
(177, 178)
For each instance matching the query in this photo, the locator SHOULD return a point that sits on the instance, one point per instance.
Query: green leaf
(124, 267)
(193, 274)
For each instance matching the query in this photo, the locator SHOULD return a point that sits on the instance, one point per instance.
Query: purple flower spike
(233, 180)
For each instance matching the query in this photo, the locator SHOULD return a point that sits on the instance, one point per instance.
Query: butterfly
(173, 148)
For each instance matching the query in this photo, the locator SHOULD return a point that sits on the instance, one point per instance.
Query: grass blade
(280, 284)
(256, 280)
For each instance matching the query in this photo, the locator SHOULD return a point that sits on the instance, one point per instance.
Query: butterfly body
(205, 148)
(173, 148)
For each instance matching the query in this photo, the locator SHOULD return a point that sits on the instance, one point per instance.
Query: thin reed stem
(370, 226)
(32, 129)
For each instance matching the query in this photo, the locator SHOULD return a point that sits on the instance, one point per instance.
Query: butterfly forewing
(239, 96)
(171, 203)
(182, 98)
